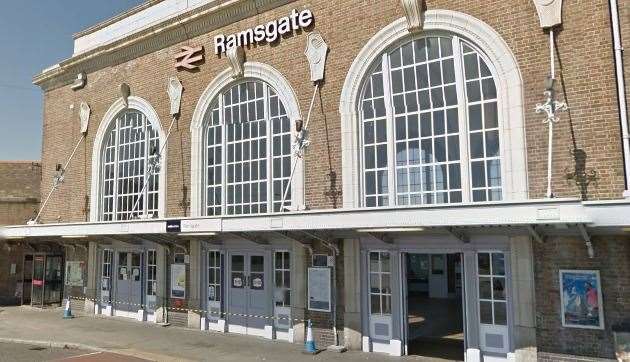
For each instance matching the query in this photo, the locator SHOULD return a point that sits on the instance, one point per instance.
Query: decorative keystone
(236, 57)
(549, 12)
(414, 12)
(174, 91)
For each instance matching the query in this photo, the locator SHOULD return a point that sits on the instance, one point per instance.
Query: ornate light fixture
(550, 108)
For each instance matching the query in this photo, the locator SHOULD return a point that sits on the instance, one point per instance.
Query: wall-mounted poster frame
(319, 289)
(581, 299)
(178, 281)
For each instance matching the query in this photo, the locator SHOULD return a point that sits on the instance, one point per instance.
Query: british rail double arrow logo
(188, 57)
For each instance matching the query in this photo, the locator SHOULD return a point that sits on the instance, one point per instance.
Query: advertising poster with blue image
(581, 298)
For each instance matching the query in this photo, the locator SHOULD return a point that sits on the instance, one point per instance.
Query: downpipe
(621, 93)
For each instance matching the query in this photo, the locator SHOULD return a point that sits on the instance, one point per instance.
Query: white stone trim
(145, 107)
(509, 92)
(255, 71)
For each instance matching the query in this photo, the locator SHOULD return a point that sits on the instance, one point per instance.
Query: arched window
(429, 126)
(130, 147)
(247, 144)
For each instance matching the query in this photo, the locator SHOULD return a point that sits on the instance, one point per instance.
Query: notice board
(319, 296)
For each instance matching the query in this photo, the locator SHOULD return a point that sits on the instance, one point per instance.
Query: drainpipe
(621, 93)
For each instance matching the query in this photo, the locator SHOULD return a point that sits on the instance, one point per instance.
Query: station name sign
(268, 33)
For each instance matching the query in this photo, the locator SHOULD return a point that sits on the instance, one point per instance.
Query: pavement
(125, 338)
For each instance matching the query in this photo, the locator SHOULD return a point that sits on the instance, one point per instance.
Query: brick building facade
(500, 48)
(19, 201)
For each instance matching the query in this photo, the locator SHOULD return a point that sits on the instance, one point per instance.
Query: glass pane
(492, 143)
(500, 314)
(474, 117)
(374, 262)
(485, 312)
(485, 291)
(385, 283)
(387, 304)
(385, 262)
(498, 288)
(257, 263)
(478, 174)
(375, 283)
(483, 261)
(490, 115)
(476, 145)
(238, 262)
(498, 264)
(375, 304)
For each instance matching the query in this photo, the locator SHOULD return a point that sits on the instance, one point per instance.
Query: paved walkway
(152, 342)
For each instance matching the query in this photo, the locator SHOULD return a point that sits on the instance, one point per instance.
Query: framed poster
(74, 273)
(581, 299)
(319, 296)
(178, 281)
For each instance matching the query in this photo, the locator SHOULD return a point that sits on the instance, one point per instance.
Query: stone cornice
(197, 22)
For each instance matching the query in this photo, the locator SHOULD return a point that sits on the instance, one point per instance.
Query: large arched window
(247, 144)
(429, 126)
(130, 148)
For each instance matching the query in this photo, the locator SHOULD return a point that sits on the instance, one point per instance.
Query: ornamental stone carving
(236, 57)
(549, 12)
(414, 12)
(174, 91)
(84, 116)
(316, 51)
(125, 92)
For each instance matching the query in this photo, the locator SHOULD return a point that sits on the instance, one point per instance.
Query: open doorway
(435, 320)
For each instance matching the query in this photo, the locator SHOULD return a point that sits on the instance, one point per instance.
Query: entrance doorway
(247, 298)
(46, 279)
(434, 300)
(128, 295)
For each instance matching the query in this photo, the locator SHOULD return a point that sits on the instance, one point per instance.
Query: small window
(282, 279)
(214, 276)
(151, 272)
(492, 288)
(380, 283)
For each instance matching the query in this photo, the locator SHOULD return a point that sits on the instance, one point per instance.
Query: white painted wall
(141, 20)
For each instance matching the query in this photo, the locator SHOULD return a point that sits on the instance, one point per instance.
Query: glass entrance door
(247, 299)
(47, 280)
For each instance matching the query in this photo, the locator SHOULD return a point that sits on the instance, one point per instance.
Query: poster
(581, 299)
(74, 273)
(319, 289)
(178, 281)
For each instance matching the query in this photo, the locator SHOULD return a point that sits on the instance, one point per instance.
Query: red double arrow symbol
(188, 56)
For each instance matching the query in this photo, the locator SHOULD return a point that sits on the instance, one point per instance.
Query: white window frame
(106, 273)
(380, 274)
(126, 171)
(230, 208)
(509, 95)
(151, 269)
(463, 134)
(216, 269)
(253, 71)
(285, 254)
(144, 107)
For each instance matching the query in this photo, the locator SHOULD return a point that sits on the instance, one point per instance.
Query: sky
(35, 34)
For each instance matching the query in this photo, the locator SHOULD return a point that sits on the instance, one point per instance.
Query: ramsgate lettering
(269, 32)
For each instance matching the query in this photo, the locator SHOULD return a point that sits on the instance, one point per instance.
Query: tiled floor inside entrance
(436, 328)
